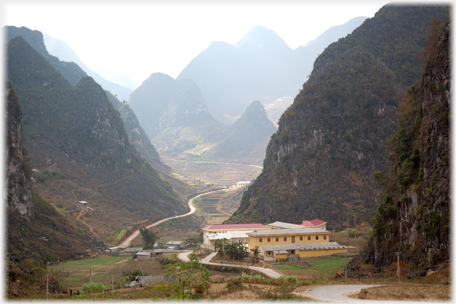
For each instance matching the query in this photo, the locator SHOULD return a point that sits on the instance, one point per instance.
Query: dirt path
(192, 210)
(337, 293)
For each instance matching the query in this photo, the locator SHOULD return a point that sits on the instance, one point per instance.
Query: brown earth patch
(408, 292)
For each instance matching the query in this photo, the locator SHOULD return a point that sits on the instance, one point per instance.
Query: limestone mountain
(320, 162)
(70, 70)
(413, 215)
(63, 51)
(173, 114)
(36, 231)
(246, 140)
(74, 129)
(260, 66)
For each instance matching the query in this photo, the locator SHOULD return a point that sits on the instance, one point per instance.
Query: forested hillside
(320, 163)
(413, 215)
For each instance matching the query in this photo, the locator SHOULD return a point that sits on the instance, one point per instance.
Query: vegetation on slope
(414, 208)
(333, 138)
(77, 131)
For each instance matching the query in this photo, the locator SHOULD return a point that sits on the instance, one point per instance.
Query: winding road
(269, 272)
(337, 293)
(128, 240)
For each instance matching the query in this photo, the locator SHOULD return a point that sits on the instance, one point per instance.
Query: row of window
(293, 238)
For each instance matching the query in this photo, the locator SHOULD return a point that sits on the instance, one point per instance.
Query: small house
(143, 255)
(176, 245)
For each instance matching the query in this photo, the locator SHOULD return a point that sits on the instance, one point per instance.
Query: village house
(280, 243)
(242, 184)
(176, 245)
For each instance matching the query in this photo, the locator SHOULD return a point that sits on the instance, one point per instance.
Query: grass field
(329, 265)
(287, 267)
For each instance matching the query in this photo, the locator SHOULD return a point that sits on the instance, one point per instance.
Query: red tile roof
(317, 222)
(235, 226)
(311, 223)
(307, 223)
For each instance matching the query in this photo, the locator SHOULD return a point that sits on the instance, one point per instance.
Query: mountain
(320, 162)
(64, 52)
(246, 140)
(36, 231)
(260, 66)
(70, 70)
(173, 114)
(78, 144)
(413, 215)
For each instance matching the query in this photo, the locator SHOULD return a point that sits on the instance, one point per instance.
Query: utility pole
(346, 265)
(348, 227)
(47, 287)
(355, 225)
(90, 275)
(112, 282)
(398, 267)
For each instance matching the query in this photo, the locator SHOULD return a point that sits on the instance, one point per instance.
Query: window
(261, 240)
(285, 239)
(324, 237)
(300, 238)
(277, 239)
(316, 238)
(293, 239)
(269, 240)
(308, 238)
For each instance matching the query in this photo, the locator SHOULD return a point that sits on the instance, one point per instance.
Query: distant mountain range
(174, 117)
(63, 51)
(260, 67)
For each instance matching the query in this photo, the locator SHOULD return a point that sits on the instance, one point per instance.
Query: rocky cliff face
(321, 161)
(414, 208)
(19, 170)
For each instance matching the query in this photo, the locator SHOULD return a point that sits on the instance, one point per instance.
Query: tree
(149, 237)
(220, 243)
(188, 274)
(256, 253)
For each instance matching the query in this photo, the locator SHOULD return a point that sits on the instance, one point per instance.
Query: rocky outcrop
(19, 170)
(414, 209)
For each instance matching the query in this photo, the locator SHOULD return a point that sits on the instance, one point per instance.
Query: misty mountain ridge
(64, 52)
(260, 66)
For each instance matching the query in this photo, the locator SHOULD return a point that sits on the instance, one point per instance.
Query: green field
(329, 265)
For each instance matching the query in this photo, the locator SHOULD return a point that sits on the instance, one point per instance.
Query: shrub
(92, 287)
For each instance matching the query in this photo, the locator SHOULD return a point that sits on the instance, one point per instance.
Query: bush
(92, 287)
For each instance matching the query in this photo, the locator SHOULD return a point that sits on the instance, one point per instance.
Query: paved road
(269, 272)
(192, 210)
(337, 293)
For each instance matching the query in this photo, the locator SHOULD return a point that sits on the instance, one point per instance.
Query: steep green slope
(332, 139)
(77, 131)
(413, 215)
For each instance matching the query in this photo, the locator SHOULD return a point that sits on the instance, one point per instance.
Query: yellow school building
(280, 243)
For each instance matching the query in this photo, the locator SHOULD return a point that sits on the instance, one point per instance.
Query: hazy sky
(141, 38)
